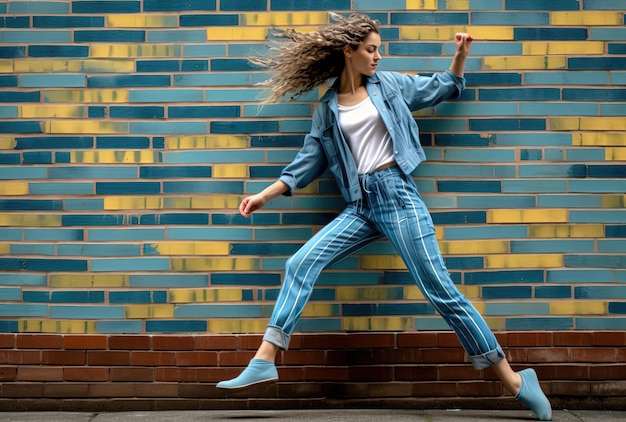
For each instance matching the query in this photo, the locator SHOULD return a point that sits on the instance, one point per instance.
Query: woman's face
(365, 58)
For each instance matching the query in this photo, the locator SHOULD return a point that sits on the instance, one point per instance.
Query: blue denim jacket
(395, 96)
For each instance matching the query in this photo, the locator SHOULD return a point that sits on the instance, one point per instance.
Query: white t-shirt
(367, 135)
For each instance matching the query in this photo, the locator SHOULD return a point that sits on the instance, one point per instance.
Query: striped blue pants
(391, 207)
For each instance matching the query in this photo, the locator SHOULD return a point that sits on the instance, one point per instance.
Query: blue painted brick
(99, 250)
(109, 35)
(86, 312)
(602, 5)
(60, 142)
(48, 81)
(158, 142)
(15, 173)
(550, 33)
(105, 7)
(53, 234)
(8, 111)
(202, 187)
(117, 142)
(190, 112)
(600, 292)
(611, 34)
(175, 5)
(606, 171)
(77, 296)
(177, 36)
(9, 158)
(212, 79)
(504, 277)
(519, 94)
(459, 217)
(96, 111)
(468, 186)
(243, 5)
(119, 327)
(553, 292)
(127, 80)
(221, 19)
(174, 326)
(617, 48)
(506, 292)
(133, 112)
(167, 172)
(20, 127)
(492, 78)
(29, 7)
(69, 220)
(68, 21)
(535, 324)
(600, 324)
(204, 50)
(130, 264)
(238, 65)
(592, 63)
(165, 95)
(19, 97)
(36, 36)
(429, 18)
(414, 49)
(615, 231)
(22, 279)
(237, 127)
(245, 279)
(531, 154)
(36, 296)
(129, 297)
(310, 5)
(14, 22)
(30, 204)
(172, 65)
(9, 326)
(168, 127)
(566, 78)
(507, 124)
(23, 310)
(15, 264)
(172, 219)
(552, 170)
(508, 18)
(10, 52)
(542, 5)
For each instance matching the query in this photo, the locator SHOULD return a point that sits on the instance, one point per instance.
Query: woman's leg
(346, 234)
(402, 216)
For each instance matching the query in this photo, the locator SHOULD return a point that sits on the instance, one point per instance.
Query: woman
(364, 133)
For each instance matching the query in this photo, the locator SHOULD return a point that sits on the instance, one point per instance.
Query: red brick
(215, 342)
(324, 341)
(196, 358)
(8, 373)
(112, 390)
(39, 341)
(448, 340)
(39, 373)
(176, 374)
(128, 342)
(502, 338)
(20, 357)
(415, 373)
(370, 373)
(295, 373)
(337, 357)
(63, 357)
(300, 389)
(90, 341)
(569, 338)
(7, 341)
(458, 372)
(396, 356)
(108, 357)
(416, 340)
(548, 355)
(235, 358)
(608, 372)
(570, 388)
(394, 389)
(434, 389)
(370, 340)
(132, 374)
(334, 373)
(90, 374)
(172, 343)
(360, 356)
(609, 338)
(304, 357)
(214, 375)
(517, 355)
(153, 358)
(608, 389)
(593, 354)
(155, 389)
(17, 389)
(249, 342)
(535, 339)
(478, 389)
(67, 390)
(443, 355)
(571, 372)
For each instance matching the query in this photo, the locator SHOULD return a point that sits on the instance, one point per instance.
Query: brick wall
(130, 130)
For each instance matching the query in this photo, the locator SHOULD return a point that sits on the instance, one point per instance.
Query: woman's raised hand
(463, 43)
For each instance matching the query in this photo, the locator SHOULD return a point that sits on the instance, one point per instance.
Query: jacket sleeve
(427, 91)
(309, 163)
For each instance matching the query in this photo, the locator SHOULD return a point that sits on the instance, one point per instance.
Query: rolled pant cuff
(487, 359)
(277, 337)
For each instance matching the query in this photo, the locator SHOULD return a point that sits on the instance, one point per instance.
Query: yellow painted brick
(149, 311)
(613, 201)
(467, 247)
(29, 111)
(390, 323)
(217, 326)
(447, 33)
(439, 232)
(207, 142)
(7, 143)
(413, 293)
(457, 4)
(355, 323)
(284, 18)
(133, 203)
(141, 21)
(470, 292)
(319, 310)
(546, 215)
(191, 248)
(215, 264)
(496, 323)
(5, 248)
(230, 171)
(524, 261)
(378, 262)
(55, 326)
(88, 280)
(205, 295)
(565, 230)
(85, 126)
(421, 4)
(29, 220)
(362, 293)
(480, 307)
(215, 202)
(587, 17)
(579, 308)
(114, 157)
(524, 62)
(542, 48)
(142, 50)
(87, 96)
(615, 154)
(6, 66)
(50, 66)
(599, 139)
(257, 325)
(225, 33)
(10, 187)
(588, 123)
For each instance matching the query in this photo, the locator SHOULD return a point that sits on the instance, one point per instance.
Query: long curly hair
(308, 60)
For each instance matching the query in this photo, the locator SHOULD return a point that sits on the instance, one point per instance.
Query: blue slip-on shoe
(258, 372)
(531, 395)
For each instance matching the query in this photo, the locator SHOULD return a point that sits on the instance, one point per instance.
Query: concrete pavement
(339, 415)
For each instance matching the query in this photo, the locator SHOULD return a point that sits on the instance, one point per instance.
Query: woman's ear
(347, 50)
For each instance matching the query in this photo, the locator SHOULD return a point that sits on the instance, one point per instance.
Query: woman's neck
(349, 81)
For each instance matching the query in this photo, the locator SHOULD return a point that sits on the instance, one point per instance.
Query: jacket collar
(334, 83)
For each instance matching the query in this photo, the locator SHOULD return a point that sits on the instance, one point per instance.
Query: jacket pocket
(328, 142)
